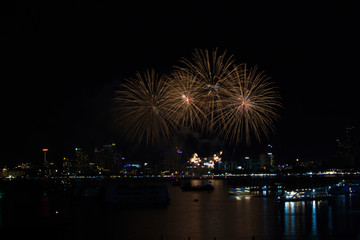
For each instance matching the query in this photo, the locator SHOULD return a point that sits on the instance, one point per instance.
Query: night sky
(65, 60)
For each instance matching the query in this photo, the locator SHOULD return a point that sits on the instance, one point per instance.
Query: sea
(34, 210)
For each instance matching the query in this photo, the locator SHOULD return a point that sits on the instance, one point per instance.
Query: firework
(142, 109)
(248, 106)
(209, 92)
(211, 71)
(185, 96)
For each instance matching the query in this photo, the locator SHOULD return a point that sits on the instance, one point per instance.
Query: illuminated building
(262, 161)
(173, 160)
(311, 165)
(210, 163)
(66, 166)
(81, 161)
(270, 156)
(267, 159)
(99, 158)
(48, 168)
(112, 156)
(249, 163)
(108, 157)
(346, 149)
(195, 161)
(24, 166)
(133, 168)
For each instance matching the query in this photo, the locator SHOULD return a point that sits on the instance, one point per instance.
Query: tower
(270, 156)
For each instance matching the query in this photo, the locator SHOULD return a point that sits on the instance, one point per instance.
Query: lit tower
(45, 150)
(270, 156)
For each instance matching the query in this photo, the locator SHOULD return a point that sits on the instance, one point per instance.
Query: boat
(203, 187)
(344, 187)
(137, 195)
(239, 191)
(304, 194)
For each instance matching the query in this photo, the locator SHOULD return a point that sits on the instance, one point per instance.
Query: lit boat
(344, 187)
(239, 191)
(304, 194)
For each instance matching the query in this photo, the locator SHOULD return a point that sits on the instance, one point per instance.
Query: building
(66, 166)
(80, 162)
(206, 164)
(108, 158)
(346, 149)
(99, 158)
(249, 163)
(173, 160)
(270, 158)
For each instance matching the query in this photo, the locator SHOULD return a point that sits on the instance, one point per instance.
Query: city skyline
(64, 71)
(249, 127)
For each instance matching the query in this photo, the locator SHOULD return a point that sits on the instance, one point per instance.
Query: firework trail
(210, 70)
(185, 96)
(209, 93)
(142, 109)
(249, 105)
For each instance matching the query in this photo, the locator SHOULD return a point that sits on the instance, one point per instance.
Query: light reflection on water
(214, 214)
(327, 219)
(301, 217)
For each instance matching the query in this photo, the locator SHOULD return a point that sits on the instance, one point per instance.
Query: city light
(195, 160)
(206, 162)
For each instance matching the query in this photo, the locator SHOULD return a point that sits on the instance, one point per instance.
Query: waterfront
(33, 212)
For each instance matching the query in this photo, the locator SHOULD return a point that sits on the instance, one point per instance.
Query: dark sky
(64, 61)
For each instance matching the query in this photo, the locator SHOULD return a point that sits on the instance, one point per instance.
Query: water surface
(194, 215)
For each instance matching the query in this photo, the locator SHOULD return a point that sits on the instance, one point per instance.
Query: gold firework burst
(249, 105)
(143, 108)
(185, 94)
(209, 92)
(211, 71)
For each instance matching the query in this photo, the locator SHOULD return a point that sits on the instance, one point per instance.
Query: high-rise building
(80, 162)
(66, 166)
(262, 160)
(346, 149)
(108, 157)
(172, 160)
(112, 156)
(270, 160)
(99, 158)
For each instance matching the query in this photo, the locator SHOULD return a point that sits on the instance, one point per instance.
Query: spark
(210, 70)
(143, 108)
(209, 93)
(249, 105)
(185, 100)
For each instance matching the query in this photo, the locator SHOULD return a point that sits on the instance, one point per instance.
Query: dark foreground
(49, 210)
